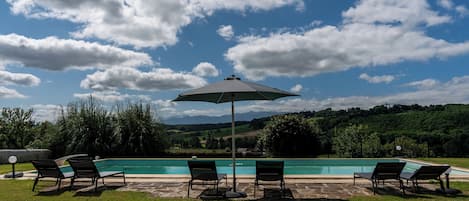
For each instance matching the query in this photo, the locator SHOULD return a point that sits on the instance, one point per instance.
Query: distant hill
(216, 120)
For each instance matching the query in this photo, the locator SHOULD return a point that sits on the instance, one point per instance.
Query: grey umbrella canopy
(230, 90)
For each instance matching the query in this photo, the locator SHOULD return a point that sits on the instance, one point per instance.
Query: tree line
(87, 127)
(132, 129)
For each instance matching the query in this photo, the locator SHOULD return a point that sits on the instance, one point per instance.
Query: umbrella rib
(221, 96)
(267, 98)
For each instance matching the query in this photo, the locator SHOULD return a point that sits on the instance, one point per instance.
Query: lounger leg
(401, 185)
(58, 187)
(96, 185)
(71, 183)
(103, 180)
(373, 184)
(354, 179)
(35, 183)
(124, 177)
(189, 186)
(255, 187)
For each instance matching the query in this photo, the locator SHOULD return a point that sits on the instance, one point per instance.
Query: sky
(336, 54)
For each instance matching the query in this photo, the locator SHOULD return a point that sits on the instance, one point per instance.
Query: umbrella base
(232, 194)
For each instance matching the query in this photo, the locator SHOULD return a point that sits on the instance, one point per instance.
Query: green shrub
(290, 135)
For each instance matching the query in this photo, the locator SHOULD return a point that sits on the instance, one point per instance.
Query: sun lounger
(425, 173)
(85, 168)
(269, 171)
(205, 171)
(48, 168)
(383, 171)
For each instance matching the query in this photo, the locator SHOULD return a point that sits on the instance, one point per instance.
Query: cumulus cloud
(448, 4)
(462, 10)
(136, 22)
(10, 93)
(8, 78)
(453, 91)
(205, 69)
(56, 54)
(46, 112)
(164, 103)
(297, 88)
(423, 84)
(111, 96)
(130, 78)
(373, 33)
(226, 31)
(377, 79)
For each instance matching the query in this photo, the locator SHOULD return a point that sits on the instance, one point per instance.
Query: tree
(356, 141)
(291, 135)
(194, 142)
(138, 132)
(85, 127)
(16, 128)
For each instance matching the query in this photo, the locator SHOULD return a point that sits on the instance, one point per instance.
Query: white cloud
(111, 96)
(205, 69)
(423, 84)
(408, 13)
(377, 79)
(462, 10)
(8, 78)
(130, 78)
(226, 31)
(164, 103)
(10, 93)
(136, 22)
(448, 4)
(46, 112)
(371, 35)
(453, 91)
(297, 88)
(56, 54)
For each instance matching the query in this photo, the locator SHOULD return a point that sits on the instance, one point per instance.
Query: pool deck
(332, 187)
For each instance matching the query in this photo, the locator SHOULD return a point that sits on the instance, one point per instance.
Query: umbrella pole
(233, 146)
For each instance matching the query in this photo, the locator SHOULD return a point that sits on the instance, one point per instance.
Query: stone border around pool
(247, 178)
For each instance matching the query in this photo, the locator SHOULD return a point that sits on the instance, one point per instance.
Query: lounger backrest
(84, 168)
(269, 170)
(429, 172)
(388, 170)
(203, 170)
(47, 168)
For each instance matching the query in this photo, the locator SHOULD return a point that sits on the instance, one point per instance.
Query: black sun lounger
(269, 171)
(383, 171)
(205, 171)
(48, 168)
(428, 172)
(85, 168)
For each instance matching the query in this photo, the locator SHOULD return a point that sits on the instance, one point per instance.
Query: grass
(6, 168)
(20, 190)
(458, 162)
(463, 186)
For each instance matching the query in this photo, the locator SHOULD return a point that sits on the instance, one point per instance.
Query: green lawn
(20, 190)
(463, 186)
(5, 168)
(458, 162)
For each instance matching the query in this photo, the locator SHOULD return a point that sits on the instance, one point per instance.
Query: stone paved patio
(327, 191)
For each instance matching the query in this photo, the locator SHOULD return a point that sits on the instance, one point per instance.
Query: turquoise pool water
(247, 167)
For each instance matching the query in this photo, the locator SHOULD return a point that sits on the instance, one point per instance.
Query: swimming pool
(247, 167)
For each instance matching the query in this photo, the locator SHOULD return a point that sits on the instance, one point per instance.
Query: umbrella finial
(233, 77)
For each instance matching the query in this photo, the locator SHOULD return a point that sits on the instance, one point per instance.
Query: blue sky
(336, 54)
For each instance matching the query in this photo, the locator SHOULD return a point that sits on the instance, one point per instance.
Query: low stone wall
(24, 155)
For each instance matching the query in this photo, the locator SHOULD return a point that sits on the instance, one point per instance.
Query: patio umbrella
(230, 90)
